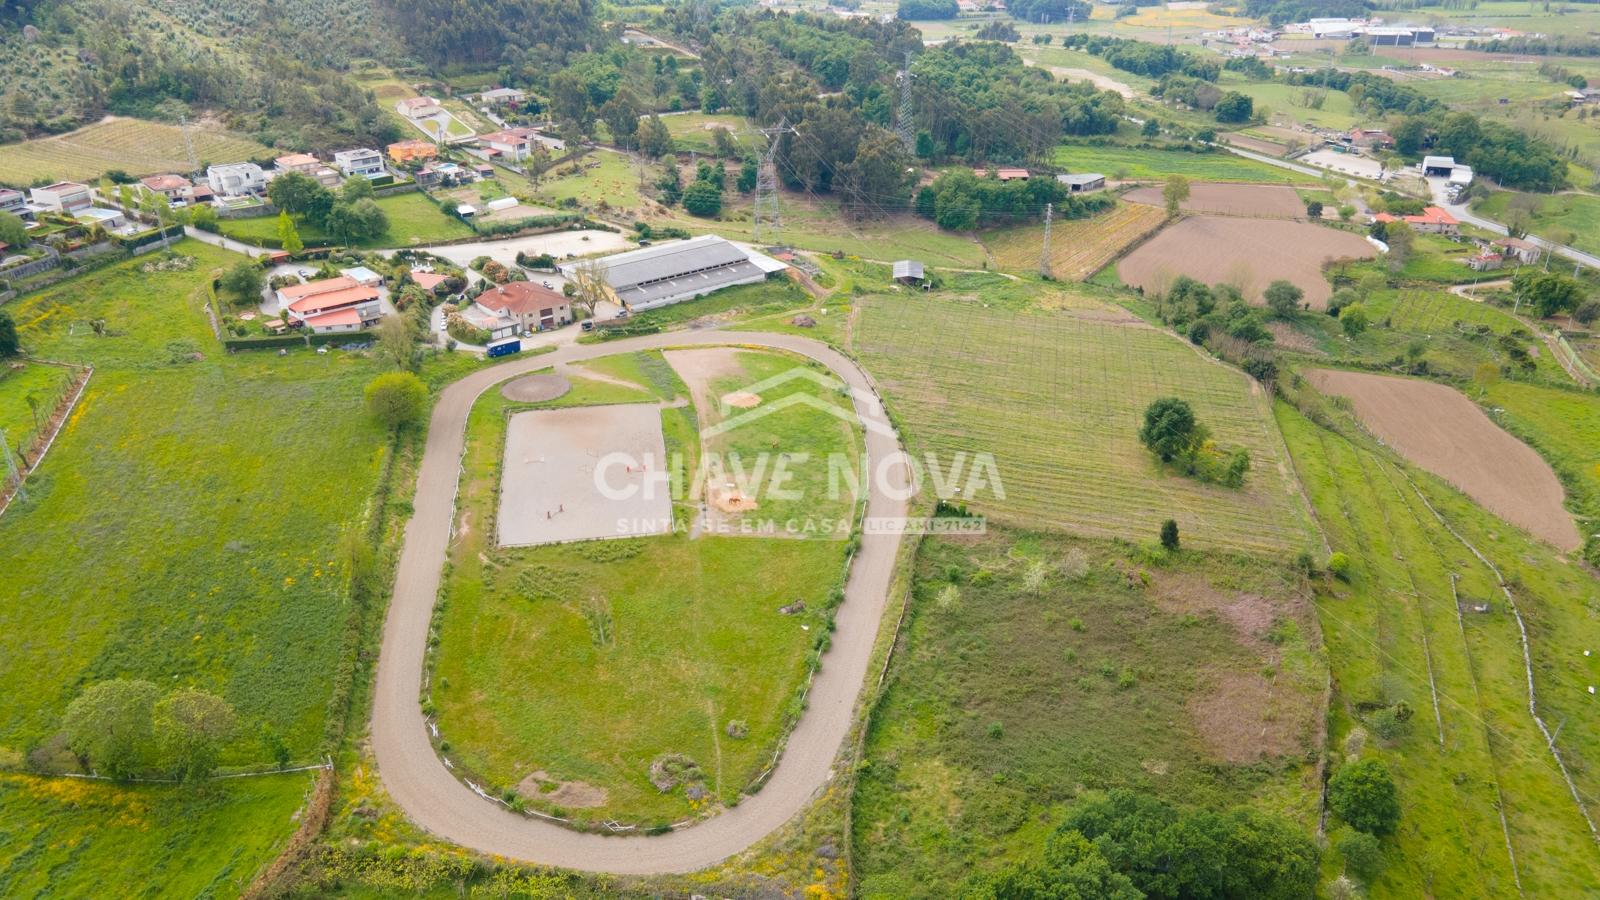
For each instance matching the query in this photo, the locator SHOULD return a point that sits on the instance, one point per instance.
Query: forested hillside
(476, 33)
(273, 70)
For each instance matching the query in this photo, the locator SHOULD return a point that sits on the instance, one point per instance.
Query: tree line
(1141, 58)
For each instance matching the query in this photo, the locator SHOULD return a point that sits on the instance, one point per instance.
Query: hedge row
(296, 340)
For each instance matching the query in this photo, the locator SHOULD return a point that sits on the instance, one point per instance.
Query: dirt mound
(535, 388)
(731, 499)
(1247, 253)
(1442, 431)
(571, 794)
(742, 400)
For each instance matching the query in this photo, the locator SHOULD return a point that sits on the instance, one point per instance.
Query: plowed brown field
(1274, 200)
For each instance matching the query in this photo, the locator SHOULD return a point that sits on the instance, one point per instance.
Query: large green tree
(108, 726)
(397, 399)
(191, 727)
(1072, 869)
(10, 344)
(1364, 795)
(12, 230)
(243, 282)
(1170, 429)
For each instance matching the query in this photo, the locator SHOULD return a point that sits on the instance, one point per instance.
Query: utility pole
(766, 204)
(906, 125)
(1044, 255)
(188, 144)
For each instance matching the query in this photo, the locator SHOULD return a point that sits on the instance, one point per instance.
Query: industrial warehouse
(658, 276)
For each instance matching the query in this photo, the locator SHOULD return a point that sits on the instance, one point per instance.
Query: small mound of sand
(729, 499)
(741, 399)
(535, 388)
(570, 794)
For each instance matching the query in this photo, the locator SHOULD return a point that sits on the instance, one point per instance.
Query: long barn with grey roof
(657, 276)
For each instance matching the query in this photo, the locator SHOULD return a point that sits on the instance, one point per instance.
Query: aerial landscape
(994, 449)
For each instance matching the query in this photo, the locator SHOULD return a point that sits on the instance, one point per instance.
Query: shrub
(1169, 534)
(1339, 566)
(1363, 795)
(397, 399)
(1353, 319)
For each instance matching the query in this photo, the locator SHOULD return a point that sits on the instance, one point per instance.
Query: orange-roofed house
(297, 162)
(410, 150)
(428, 280)
(170, 186)
(332, 304)
(1432, 220)
(528, 305)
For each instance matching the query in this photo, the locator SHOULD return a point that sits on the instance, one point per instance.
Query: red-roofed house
(1433, 220)
(513, 143)
(526, 304)
(332, 304)
(170, 186)
(427, 280)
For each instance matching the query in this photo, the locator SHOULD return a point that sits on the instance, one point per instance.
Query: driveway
(420, 784)
(556, 243)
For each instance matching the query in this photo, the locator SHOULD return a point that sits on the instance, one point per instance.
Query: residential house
(483, 170)
(304, 163)
(427, 176)
(1432, 220)
(173, 187)
(428, 280)
(1370, 138)
(529, 306)
(1081, 182)
(1525, 252)
(109, 219)
(15, 203)
(411, 150)
(1486, 262)
(419, 107)
(512, 144)
(364, 162)
(63, 197)
(329, 305)
(236, 179)
(502, 97)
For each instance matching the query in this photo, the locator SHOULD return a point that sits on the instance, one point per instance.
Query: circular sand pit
(535, 388)
(742, 399)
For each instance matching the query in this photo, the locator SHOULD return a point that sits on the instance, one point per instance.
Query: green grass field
(1035, 667)
(1396, 633)
(1564, 425)
(693, 132)
(1128, 163)
(1336, 110)
(68, 838)
(590, 661)
(413, 221)
(18, 382)
(599, 177)
(1576, 214)
(132, 145)
(1057, 398)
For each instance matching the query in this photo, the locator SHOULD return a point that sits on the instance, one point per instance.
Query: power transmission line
(1044, 254)
(11, 467)
(188, 144)
(766, 202)
(905, 126)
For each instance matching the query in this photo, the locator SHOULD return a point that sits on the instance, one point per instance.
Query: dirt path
(1439, 429)
(436, 801)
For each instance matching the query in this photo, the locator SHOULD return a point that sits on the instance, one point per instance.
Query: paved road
(433, 798)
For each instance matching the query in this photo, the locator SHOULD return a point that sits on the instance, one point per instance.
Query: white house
(173, 187)
(419, 107)
(236, 179)
(513, 143)
(502, 97)
(15, 203)
(359, 162)
(63, 197)
(522, 304)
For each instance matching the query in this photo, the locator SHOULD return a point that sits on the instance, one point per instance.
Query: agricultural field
(1264, 200)
(1564, 425)
(564, 673)
(1035, 667)
(241, 595)
(598, 178)
(1577, 215)
(135, 146)
(1057, 398)
(1078, 247)
(1246, 253)
(693, 132)
(68, 838)
(1312, 106)
(1134, 164)
(413, 221)
(1440, 430)
(1419, 620)
(816, 223)
(20, 381)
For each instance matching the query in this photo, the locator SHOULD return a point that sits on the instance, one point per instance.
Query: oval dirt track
(419, 782)
(1439, 429)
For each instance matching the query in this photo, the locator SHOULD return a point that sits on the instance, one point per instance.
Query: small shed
(1438, 166)
(466, 210)
(908, 271)
(1081, 182)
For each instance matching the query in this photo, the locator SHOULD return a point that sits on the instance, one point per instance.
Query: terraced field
(1057, 398)
(1079, 248)
(132, 145)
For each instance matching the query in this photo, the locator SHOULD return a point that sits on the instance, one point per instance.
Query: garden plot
(582, 474)
(1078, 247)
(1442, 431)
(1246, 253)
(1270, 200)
(1057, 398)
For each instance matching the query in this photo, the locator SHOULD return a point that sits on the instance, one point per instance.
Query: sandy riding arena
(550, 490)
(535, 388)
(1442, 431)
(1247, 253)
(1271, 200)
